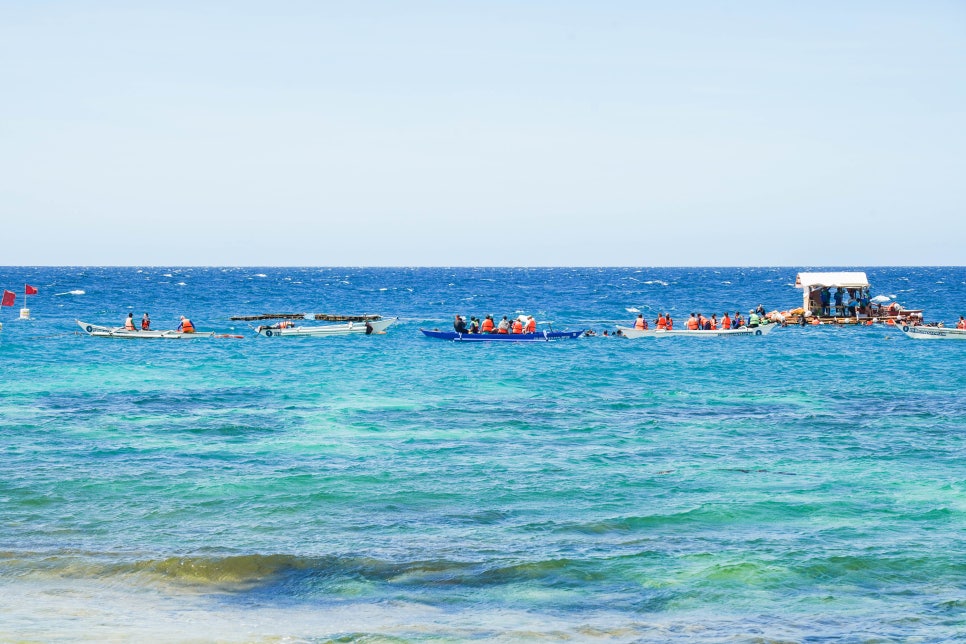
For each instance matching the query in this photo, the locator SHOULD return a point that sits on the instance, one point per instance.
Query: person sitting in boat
(517, 326)
(285, 324)
(185, 326)
(725, 321)
(753, 320)
(487, 324)
(660, 322)
(668, 322)
(739, 321)
(504, 326)
(145, 322)
(714, 322)
(369, 328)
(640, 323)
(692, 323)
(531, 326)
(474, 325)
(459, 324)
(961, 325)
(129, 323)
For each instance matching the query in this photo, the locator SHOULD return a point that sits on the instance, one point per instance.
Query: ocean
(804, 486)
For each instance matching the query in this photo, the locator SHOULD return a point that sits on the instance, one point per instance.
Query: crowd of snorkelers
(520, 324)
(699, 322)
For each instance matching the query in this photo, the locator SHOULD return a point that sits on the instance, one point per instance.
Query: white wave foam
(632, 309)
(74, 292)
(661, 282)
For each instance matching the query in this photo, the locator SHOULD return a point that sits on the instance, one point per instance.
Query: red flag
(29, 290)
(8, 298)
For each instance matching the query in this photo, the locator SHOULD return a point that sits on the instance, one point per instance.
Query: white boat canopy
(812, 282)
(855, 279)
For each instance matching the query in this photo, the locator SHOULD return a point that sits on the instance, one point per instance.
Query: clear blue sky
(482, 133)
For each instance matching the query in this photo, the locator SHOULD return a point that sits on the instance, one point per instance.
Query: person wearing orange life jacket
(517, 326)
(129, 323)
(531, 326)
(503, 327)
(962, 323)
(639, 323)
(661, 322)
(487, 325)
(185, 326)
(714, 321)
(692, 323)
(725, 322)
(669, 323)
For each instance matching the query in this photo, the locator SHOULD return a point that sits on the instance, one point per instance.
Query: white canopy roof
(843, 279)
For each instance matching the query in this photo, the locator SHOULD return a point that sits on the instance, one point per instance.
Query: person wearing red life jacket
(145, 322)
(669, 323)
(661, 322)
(487, 326)
(531, 325)
(725, 322)
(185, 326)
(517, 326)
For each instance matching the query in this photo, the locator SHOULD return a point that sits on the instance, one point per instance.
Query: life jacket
(961, 325)
(129, 324)
(692, 324)
(661, 322)
(187, 326)
(503, 331)
(531, 326)
(487, 325)
(517, 326)
(669, 323)
(639, 324)
(714, 326)
(145, 324)
(726, 322)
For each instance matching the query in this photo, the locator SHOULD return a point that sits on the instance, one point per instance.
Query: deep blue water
(808, 485)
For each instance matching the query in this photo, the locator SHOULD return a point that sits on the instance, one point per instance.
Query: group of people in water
(698, 321)
(184, 326)
(521, 324)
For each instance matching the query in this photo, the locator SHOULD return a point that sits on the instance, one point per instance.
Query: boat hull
(350, 328)
(539, 336)
(633, 333)
(932, 333)
(99, 331)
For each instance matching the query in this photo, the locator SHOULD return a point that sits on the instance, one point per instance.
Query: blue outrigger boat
(539, 336)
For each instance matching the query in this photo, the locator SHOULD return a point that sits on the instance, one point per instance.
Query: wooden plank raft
(327, 317)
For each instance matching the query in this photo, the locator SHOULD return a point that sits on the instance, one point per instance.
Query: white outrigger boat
(631, 332)
(921, 332)
(349, 328)
(120, 332)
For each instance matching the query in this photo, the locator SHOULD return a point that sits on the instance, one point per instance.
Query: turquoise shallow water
(806, 486)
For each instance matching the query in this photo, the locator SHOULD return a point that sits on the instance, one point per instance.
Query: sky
(457, 133)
